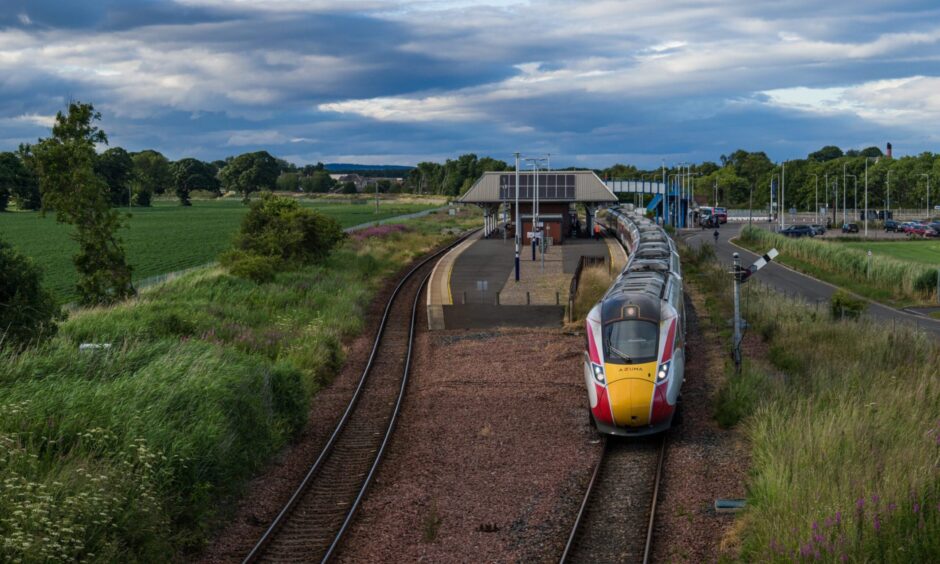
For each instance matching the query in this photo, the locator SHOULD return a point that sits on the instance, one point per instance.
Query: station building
(560, 194)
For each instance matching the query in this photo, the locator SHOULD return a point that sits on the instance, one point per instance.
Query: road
(788, 281)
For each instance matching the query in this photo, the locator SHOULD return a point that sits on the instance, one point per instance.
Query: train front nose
(630, 391)
(630, 401)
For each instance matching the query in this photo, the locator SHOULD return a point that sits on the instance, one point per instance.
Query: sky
(591, 82)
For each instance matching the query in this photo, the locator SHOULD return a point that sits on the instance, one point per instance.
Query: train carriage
(635, 350)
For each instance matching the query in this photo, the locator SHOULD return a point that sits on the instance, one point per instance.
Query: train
(634, 358)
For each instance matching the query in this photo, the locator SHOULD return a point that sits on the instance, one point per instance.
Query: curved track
(615, 522)
(312, 523)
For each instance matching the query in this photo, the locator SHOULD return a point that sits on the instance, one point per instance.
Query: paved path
(789, 281)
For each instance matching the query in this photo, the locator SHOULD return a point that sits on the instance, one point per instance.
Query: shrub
(280, 228)
(251, 266)
(844, 305)
(27, 310)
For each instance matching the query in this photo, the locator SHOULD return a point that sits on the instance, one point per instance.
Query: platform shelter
(555, 202)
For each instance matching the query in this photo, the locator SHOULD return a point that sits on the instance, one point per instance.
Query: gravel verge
(703, 461)
(491, 455)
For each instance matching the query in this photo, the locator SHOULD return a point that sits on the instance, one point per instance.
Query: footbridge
(670, 202)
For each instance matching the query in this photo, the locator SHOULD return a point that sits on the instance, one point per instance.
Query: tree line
(744, 178)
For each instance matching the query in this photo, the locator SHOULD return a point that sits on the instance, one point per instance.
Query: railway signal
(741, 275)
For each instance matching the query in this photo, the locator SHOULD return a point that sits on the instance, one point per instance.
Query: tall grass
(843, 419)
(130, 453)
(595, 280)
(898, 279)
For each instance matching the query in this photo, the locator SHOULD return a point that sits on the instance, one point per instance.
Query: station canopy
(558, 186)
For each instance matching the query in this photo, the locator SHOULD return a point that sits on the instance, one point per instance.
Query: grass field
(841, 421)
(887, 278)
(926, 252)
(135, 453)
(164, 238)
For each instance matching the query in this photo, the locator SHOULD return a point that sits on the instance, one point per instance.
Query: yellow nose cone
(630, 401)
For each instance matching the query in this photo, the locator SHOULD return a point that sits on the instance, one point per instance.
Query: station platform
(474, 286)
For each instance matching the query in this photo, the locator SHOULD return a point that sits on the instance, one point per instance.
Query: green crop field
(927, 252)
(163, 238)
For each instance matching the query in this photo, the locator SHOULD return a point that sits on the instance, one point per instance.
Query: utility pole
(736, 339)
(845, 185)
(518, 225)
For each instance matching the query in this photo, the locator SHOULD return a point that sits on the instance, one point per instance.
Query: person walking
(597, 231)
(716, 236)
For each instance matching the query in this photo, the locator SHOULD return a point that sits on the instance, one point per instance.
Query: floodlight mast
(518, 232)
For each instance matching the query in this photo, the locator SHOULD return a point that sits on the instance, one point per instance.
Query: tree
(288, 182)
(15, 178)
(873, 152)
(349, 188)
(152, 173)
(79, 196)
(116, 167)
(249, 173)
(318, 182)
(192, 174)
(27, 310)
(26, 193)
(827, 153)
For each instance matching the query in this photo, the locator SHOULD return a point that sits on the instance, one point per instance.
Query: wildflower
(875, 499)
(877, 523)
(860, 503)
(815, 525)
(916, 507)
(892, 506)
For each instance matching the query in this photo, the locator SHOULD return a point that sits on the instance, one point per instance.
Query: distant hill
(349, 167)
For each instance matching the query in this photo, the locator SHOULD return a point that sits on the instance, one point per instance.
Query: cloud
(438, 77)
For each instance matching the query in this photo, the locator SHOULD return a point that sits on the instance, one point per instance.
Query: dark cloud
(687, 81)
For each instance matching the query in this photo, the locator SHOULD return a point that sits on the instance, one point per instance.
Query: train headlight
(599, 374)
(663, 371)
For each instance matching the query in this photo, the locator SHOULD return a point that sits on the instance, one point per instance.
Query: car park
(799, 231)
(933, 230)
(850, 228)
(818, 229)
(917, 229)
(891, 225)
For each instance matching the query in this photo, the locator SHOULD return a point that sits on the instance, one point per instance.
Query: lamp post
(866, 196)
(518, 225)
(855, 197)
(927, 174)
(889, 192)
(774, 199)
(816, 215)
(783, 193)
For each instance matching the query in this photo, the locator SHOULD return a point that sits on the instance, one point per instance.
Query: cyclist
(716, 236)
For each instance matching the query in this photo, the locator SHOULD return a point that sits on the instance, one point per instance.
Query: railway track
(311, 525)
(615, 521)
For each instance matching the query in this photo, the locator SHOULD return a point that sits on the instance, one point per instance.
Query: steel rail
(285, 512)
(584, 504)
(647, 550)
(388, 433)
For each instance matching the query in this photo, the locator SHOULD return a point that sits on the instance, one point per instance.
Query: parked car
(933, 230)
(799, 231)
(721, 214)
(891, 225)
(819, 229)
(907, 226)
(850, 228)
(917, 229)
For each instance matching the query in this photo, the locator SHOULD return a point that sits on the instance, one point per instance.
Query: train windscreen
(631, 341)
